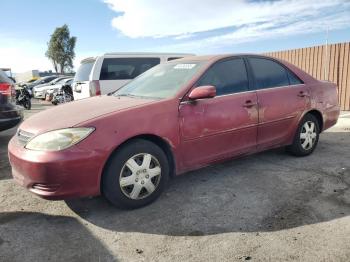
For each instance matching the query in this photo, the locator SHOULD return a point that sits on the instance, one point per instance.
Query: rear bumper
(10, 116)
(330, 116)
(59, 175)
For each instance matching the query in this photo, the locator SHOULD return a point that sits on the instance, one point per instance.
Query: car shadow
(27, 236)
(269, 191)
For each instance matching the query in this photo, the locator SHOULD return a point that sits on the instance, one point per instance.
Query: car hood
(55, 86)
(74, 113)
(41, 87)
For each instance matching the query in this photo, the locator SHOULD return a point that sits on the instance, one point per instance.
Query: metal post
(326, 65)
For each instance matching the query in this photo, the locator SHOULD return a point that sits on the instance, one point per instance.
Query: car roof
(134, 55)
(213, 58)
(146, 54)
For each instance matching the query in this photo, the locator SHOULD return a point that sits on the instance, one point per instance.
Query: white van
(107, 73)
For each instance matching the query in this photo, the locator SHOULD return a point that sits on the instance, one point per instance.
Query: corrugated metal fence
(325, 63)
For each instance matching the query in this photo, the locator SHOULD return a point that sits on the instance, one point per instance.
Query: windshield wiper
(123, 95)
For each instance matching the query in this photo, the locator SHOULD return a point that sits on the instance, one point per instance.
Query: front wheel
(306, 137)
(135, 175)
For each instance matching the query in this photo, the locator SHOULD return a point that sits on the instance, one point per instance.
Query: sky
(190, 26)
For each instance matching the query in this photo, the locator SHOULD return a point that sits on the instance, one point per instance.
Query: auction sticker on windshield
(184, 66)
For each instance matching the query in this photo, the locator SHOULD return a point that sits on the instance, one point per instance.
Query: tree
(61, 49)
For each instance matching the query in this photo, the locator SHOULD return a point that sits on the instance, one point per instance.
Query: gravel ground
(266, 207)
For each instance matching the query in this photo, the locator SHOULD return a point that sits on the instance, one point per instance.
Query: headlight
(59, 139)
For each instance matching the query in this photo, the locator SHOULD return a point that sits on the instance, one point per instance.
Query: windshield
(38, 81)
(55, 81)
(84, 72)
(61, 81)
(162, 81)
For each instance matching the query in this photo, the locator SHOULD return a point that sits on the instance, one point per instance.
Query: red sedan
(176, 117)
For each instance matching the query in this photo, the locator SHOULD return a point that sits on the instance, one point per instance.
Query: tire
(27, 104)
(138, 152)
(300, 146)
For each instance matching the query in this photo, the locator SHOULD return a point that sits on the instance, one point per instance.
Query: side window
(293, 79)
(268, 73)
(227, 76)
(173, 58)
(126, 68)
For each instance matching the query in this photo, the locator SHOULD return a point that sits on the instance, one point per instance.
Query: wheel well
(164, 145)
(318, 116)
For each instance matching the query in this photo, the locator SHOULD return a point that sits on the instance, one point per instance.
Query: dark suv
(10, 114)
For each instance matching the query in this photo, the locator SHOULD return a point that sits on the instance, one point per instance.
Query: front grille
(24, 137)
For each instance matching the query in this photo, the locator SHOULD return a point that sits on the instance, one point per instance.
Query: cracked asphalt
(266, 207)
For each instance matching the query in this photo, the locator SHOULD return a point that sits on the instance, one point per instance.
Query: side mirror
(202, 92)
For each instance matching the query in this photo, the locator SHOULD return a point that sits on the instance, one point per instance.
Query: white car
(107, 73)
(39, 90)
(57, 87)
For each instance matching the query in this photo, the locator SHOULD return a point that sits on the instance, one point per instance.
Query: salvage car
(176, 117)
(39, 91)
(40, 81)
(10, 114)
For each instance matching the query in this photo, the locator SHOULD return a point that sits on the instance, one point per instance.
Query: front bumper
(56, 175)
(39, 94)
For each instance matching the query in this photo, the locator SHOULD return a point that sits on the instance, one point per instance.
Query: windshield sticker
(184, 66)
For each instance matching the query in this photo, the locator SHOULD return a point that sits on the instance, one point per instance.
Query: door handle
(249, 104)
(303, 94)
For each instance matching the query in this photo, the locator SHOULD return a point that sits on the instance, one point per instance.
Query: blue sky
(200, 27)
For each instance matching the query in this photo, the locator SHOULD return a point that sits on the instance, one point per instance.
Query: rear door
(81, 82)
(282, 100)
(116, 72)
(223, 126)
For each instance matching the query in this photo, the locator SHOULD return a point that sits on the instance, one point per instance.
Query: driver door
(223, 126)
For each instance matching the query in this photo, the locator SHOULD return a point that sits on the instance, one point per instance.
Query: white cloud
(22, 55)
(251, 19)
(253, 32)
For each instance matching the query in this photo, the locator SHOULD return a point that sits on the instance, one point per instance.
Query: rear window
(4, 78)
(84, 71)
(126, 68)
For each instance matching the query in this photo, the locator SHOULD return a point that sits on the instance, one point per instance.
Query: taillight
(95, 89)
(5, 89)
(13, 91)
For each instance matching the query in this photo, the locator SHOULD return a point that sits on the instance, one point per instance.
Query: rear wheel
(306, 137)
(135, 175)
(27, 104)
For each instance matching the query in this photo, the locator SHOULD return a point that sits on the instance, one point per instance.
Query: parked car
(40, 90)
(40, 81)
(10, 114)
(176, 117)
(63, 95)
(104, 74)
(57, 88)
